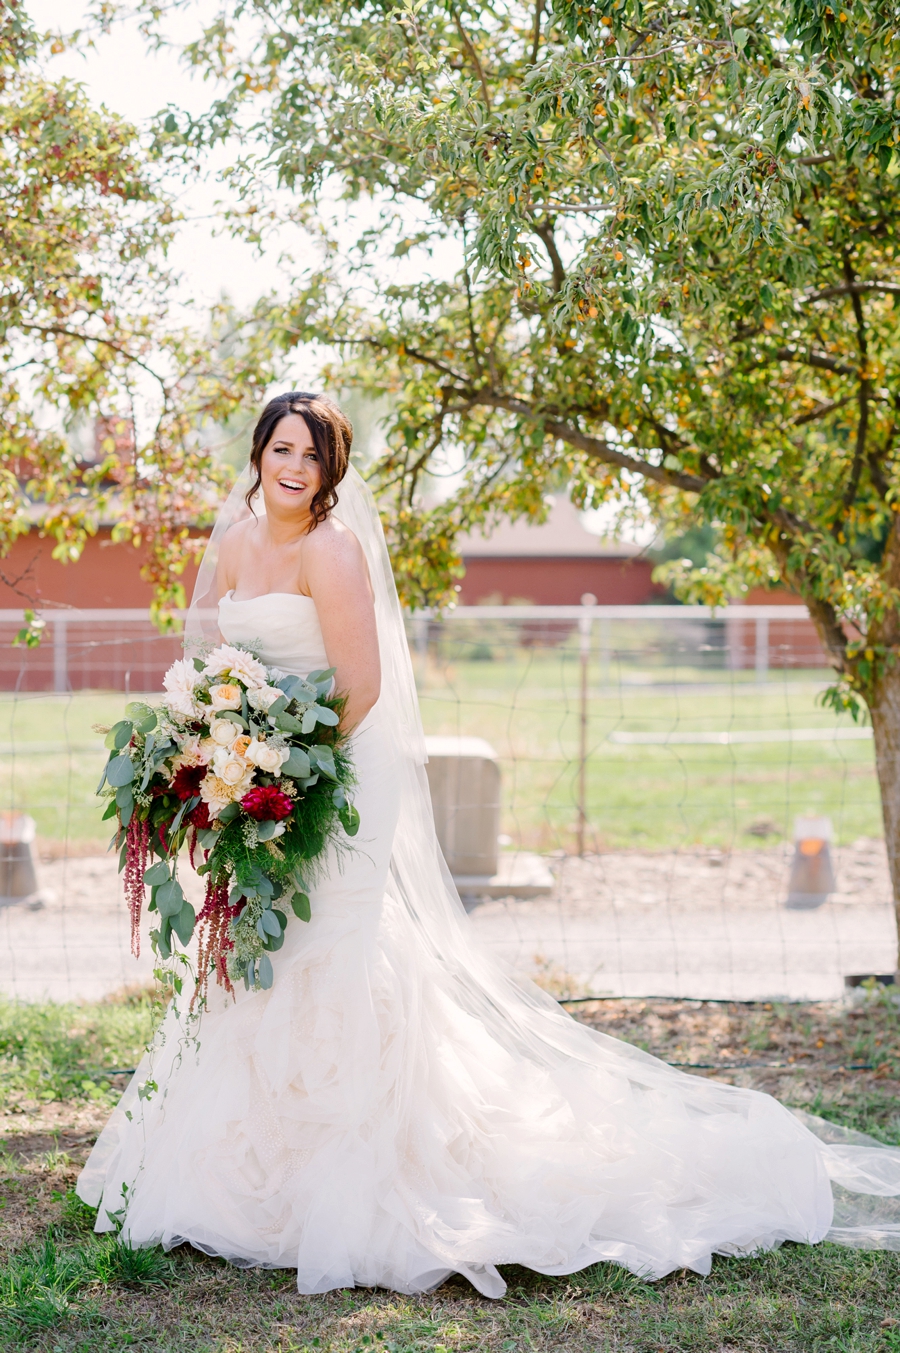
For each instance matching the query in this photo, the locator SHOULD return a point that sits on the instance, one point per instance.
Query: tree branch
(535, 46)
(473, 55)
(855, 289)
(863, 424)
(816, 359)
(594, 446)
(544, 230)
(820, 411)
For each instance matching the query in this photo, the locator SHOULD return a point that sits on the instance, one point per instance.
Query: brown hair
(332, 437)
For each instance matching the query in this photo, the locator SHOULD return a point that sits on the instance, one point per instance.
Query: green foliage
(84, 295)
(52, 1052)
(677, 242)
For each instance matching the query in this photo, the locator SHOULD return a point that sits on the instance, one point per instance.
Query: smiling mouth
(291, 486)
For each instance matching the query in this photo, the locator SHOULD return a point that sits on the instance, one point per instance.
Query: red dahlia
(186, 782)
(199, 816)
(266, 804)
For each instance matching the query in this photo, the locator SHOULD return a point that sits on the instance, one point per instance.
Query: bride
(398, 1107)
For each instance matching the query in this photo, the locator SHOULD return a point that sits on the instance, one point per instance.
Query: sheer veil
(445, 958)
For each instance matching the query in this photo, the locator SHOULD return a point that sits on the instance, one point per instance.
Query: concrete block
(464, 778)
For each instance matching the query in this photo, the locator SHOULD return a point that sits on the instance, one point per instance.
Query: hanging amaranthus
(137, 836)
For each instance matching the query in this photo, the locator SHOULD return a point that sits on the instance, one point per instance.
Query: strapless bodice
(283, 627)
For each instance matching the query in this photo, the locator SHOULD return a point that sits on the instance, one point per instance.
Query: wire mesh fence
(653, 762)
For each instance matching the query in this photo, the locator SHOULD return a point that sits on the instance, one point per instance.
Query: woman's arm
(338, 581)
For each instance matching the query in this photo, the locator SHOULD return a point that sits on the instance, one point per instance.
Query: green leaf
(297, 764)
(269, 922)
(265, 975)
(350, 819)
(123, 856)
(327, 716)
(229, 812)
(301, 907)
(267, 830)
(232, 716)
(119, 735)
(207, 838)
(322, 680)
(110, 810)
(170, 898)
(183, 923)
(288, 724)
(120, 770)
(157, 873)
(322, 758)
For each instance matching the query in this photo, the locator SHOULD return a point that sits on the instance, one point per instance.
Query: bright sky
(131, 80)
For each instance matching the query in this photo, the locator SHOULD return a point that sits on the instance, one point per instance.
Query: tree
(677, 235)
(85, 333)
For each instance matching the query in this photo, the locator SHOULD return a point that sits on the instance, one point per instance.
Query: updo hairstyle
(332, 437)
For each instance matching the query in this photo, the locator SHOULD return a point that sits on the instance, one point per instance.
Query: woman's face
(289, 468)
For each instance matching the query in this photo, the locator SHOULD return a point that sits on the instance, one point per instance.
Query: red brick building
(554, 564)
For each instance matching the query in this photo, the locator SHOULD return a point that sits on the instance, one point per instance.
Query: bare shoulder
(333, 545)
(236, 539)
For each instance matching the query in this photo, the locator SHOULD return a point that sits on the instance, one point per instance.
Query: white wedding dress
(398, 1108)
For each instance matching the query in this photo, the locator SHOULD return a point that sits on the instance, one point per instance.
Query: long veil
(450, 963)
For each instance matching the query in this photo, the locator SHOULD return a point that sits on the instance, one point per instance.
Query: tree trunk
(884, 706)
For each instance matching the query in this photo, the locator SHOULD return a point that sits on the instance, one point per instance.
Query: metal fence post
(762, 649)
(585, 625)
(60, 654)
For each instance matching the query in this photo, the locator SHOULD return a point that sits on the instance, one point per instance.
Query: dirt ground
(695, 923)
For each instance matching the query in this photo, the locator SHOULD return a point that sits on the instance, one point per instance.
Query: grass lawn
(525, 703)
(64, 1291)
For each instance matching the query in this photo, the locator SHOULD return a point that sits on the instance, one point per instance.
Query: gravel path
(696, 923)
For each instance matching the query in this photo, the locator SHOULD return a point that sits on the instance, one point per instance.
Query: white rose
(225, 696)
(267, 757)
(229, 767)
(223, 732)
(262, 697)
(228, 661)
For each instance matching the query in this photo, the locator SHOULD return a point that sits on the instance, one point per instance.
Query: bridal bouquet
(247, 767)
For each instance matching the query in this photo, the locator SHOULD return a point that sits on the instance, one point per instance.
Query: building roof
(563, 535)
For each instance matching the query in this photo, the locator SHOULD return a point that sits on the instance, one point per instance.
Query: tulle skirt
(396, 1108)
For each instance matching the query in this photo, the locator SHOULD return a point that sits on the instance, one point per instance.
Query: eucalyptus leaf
(277, 707)
(126, 812)
(207, 838)
(265, 975)
(157, 873)
(267, 830)
(322, 758)
(269, 923)
(124, 797)
(229, 812)
(308, 723)
(233, 717)
(288, 724)
(120, 770)
(322, 680)
(301, 907)
(183, 923)
(119, 735)
(297, 764)
(324, 715)
(170, 898)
